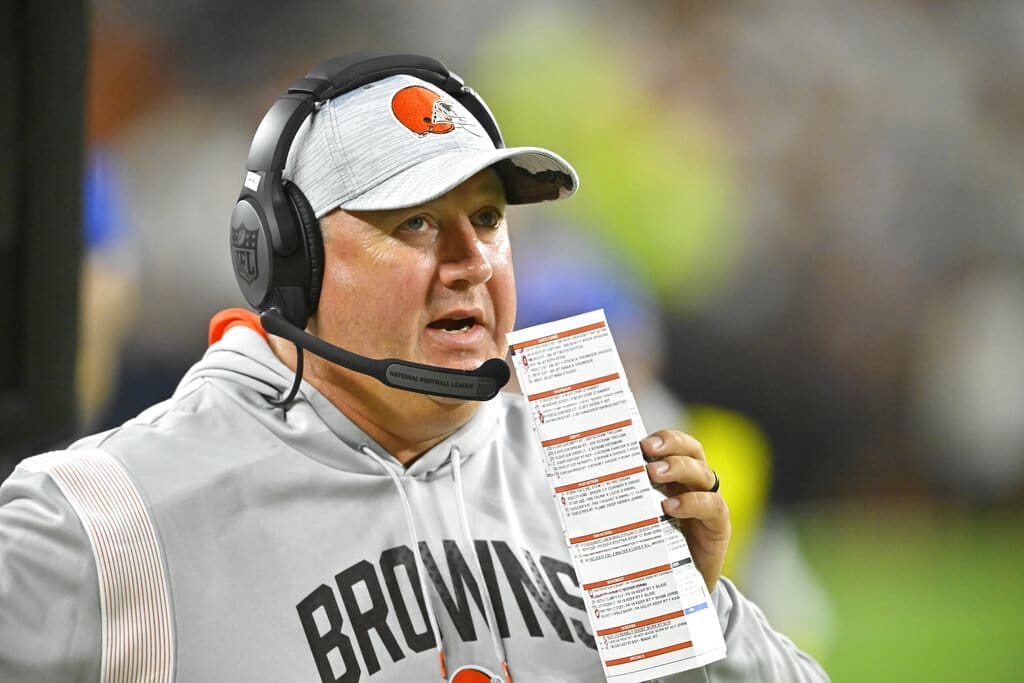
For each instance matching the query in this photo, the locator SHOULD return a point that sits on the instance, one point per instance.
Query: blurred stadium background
(817, 207)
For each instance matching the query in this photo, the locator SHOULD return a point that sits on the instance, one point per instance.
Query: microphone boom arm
(481, 384)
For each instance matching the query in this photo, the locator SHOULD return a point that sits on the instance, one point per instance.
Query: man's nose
(465, 259)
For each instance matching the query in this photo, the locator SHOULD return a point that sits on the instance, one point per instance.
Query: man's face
(431, 283)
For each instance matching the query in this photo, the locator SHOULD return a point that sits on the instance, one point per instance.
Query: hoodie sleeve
(756, 652)
(49, 592)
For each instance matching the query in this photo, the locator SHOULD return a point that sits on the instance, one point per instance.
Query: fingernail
(660, 467)
(654, 442)
(670, 504)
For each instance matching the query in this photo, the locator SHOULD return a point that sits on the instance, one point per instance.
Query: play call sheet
(648, 605)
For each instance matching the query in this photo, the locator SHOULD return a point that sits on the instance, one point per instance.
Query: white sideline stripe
(134, 602)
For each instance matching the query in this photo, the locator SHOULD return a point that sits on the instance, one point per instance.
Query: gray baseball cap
(400, 142)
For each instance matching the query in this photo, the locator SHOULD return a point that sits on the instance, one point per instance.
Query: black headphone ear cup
(314, 245)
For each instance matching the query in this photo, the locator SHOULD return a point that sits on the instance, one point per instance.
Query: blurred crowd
(820, 202)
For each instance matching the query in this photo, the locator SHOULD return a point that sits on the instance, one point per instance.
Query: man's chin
(451, 403)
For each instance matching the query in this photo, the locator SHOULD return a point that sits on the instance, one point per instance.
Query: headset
(277, 248)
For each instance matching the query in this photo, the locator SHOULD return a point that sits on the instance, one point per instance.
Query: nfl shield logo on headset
(243, 248)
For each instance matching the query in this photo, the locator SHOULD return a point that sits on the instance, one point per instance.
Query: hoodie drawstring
(489, 618)
(420, 568)
(496, 642)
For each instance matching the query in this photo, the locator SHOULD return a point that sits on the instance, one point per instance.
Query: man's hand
(678, 463)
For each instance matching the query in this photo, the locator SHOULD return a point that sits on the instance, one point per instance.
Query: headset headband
(335, 77)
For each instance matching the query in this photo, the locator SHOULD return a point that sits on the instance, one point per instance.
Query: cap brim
(529, 174)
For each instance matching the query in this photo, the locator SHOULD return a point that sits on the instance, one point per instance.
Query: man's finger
(690, 472)
(667, 442)
(709, 508)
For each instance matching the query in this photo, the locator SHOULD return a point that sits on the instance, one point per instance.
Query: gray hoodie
(217, 538)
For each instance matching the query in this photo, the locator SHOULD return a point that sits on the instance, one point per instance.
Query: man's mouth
(453, 325)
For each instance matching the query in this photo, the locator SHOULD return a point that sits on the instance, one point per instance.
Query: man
(252, 528)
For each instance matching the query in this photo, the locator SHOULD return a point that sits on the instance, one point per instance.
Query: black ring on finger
(714, 487)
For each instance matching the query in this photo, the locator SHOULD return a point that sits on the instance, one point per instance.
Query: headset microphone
(481, 384)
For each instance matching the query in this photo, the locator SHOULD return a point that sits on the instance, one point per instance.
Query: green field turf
(920, 594)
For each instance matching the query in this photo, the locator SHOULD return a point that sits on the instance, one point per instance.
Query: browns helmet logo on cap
(423, 111)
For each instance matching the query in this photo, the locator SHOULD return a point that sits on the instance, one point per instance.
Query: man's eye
(415, 224)
(488, 218)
